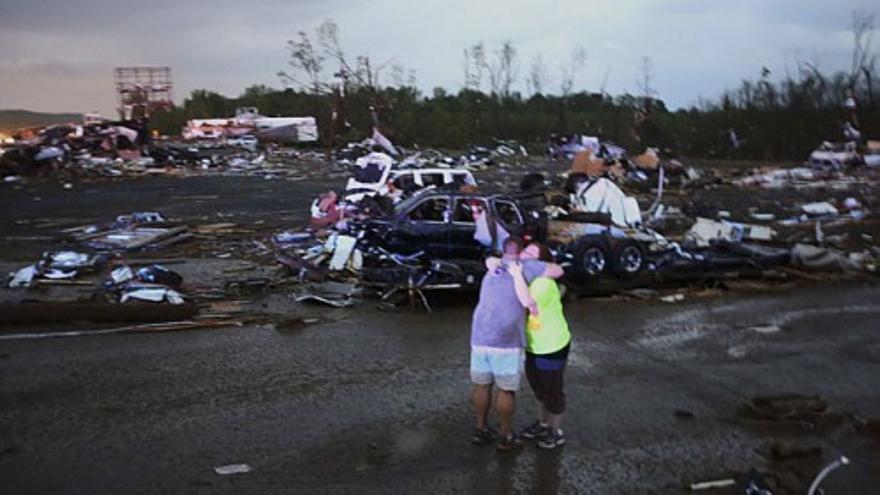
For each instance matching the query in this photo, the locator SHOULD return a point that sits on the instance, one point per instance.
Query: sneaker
(510, 442)
(482, 436)
(535, 430)
(552, 440)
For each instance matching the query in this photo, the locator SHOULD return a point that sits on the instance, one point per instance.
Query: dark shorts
(545, 375)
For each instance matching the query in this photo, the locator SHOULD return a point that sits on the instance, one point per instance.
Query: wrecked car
(444, 225)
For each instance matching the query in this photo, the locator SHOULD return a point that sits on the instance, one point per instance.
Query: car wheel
(630, 259)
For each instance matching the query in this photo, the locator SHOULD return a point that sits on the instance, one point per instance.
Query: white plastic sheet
(344, 246)
(23, 277)
(153, 294)
(603, 196)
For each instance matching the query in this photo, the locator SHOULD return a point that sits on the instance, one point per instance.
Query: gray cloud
(59, 55)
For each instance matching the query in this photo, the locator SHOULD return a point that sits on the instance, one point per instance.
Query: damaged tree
(537, 80)
(568, 71)
(474, 61)
(304, 59)
(502, 69)
(646, 80)
(310, 63)
(863, 60)
(567, 74)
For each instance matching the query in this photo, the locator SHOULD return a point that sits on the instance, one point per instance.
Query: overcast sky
(59, 55)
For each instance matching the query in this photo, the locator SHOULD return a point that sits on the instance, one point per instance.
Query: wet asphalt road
(373, 402)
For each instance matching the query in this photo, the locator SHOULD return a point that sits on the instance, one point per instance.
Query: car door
(424, 227)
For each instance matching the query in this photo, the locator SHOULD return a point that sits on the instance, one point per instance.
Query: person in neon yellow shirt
(548, 341)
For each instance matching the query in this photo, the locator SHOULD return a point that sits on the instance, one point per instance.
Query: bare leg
(555, 420)
(481, 396)
(544, 414)
(505, 403)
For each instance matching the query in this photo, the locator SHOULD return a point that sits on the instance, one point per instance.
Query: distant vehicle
(834, 156)
(247, 142)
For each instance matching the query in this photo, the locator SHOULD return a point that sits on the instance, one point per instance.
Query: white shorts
(502, 366)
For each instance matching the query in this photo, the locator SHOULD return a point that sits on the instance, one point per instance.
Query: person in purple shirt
(498, 340)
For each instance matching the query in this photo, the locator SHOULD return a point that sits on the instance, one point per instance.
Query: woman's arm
(493, 263)
(522, 288)
(553, 271)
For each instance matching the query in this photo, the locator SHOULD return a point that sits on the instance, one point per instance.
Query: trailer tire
(591, 258)
(629, 259)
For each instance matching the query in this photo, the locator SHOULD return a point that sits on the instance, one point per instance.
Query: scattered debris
(151, 293)
(706, 485)
(673, 298)
(233, 469)
(821, 258)
(839, 462)
(684, 415)
(704, 231)
(819, 209)
(765, 329)
(625, 222)
(330, 293)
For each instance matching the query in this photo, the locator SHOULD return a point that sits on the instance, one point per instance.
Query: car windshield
(407, 203)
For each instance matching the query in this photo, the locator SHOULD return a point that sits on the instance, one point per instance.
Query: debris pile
(386, 234)
(114, 280)
(98, 148)
(409, 221)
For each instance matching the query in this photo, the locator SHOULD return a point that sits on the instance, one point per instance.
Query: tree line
(761, 119)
